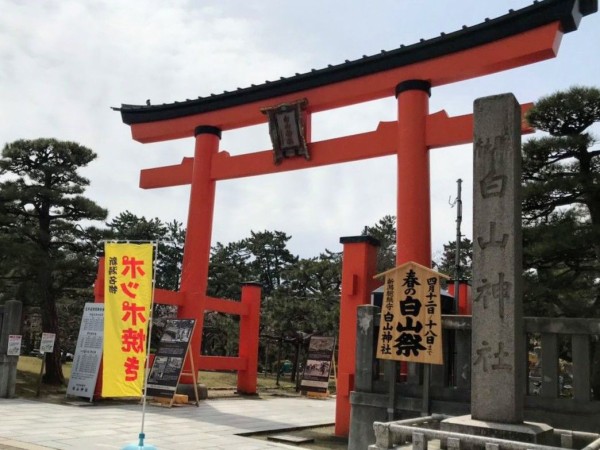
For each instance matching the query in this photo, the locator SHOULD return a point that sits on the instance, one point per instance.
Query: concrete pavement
(216, 424)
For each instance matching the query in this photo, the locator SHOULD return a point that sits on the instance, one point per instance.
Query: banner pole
(148, 342)
(39, 384)
(142, 435)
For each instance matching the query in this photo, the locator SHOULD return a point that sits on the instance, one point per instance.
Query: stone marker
(498, 336)
(498, 351)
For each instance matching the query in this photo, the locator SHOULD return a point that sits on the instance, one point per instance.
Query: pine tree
(561, 206)
(42, 207)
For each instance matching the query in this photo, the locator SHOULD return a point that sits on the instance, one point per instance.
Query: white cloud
(64, 63)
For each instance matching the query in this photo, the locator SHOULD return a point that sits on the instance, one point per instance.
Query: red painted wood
(441, 131)
(196, 254)
(526, 48)
(359, 263)
(413, 226)
(221, 363)
(226, 306)
(249, 334)
(166, 297)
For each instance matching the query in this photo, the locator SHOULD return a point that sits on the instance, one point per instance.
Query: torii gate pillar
(413, 210)
(358, 270)
(413, 234)
(196, 252)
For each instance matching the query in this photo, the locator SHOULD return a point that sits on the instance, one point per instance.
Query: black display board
(170, 356)
(315, 377)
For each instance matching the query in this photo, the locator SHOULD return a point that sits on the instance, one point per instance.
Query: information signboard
(411, 321)
(317, 369)
(88, 352)
(47, 344)
(14, 345)
(168, 362)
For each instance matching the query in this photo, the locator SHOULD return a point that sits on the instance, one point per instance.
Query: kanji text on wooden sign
(411, 319)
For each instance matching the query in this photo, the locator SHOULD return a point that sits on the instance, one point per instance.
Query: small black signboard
(318, 364)
(169, 359)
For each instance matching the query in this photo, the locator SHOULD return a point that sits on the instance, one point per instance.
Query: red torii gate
(520, 37)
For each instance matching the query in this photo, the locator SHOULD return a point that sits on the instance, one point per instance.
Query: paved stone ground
(216, 424)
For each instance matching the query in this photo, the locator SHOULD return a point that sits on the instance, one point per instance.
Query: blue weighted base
(140, 445)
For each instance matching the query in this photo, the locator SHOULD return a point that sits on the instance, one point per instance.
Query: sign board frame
(317, 369)
(173, 350)
(88, 352)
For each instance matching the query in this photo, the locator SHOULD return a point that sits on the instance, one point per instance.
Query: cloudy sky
(64, 63)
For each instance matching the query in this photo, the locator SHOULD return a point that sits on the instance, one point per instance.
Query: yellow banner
(127, 298)
(411, 320)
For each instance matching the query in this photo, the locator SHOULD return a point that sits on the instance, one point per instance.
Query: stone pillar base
(535, 433)
(188, 389)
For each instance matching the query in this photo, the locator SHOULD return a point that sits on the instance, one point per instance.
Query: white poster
(14, 345)
(47, 344)
(88, 352)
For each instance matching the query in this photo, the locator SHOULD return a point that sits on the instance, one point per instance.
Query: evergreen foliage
(561, 211)
(561, 206)
(447, 262)
(385, 232)
(300, 295)
(40, 226)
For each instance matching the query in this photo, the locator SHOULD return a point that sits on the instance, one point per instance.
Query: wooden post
(358, 270)
(413, 230)
(196, 253)
(248, 344)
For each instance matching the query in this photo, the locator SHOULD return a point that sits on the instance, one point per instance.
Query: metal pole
(458, 237)
(452, 366)
(142, 435)
(279, 360)
(39, 384)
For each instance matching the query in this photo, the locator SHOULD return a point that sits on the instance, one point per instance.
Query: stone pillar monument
(498, 337)
(10, 323)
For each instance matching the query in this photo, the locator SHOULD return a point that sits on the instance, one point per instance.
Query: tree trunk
(596, 368)
(54, 374)
(296, 358)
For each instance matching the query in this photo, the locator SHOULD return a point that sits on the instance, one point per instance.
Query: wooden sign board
(411, 315)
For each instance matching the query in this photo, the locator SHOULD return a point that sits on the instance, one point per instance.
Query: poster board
(315, 377)
(170, 356)
(47, 343)
(14, 345)
(88, 352)
(46, 346)
(411, 315)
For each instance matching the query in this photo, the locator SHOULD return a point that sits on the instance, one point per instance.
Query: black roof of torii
(568, 12)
